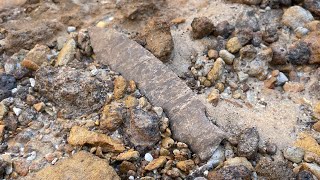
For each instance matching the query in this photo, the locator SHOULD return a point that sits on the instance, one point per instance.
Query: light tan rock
(307, 143)
(67, 53)
(39, 106)
(186, 165)
(313, 41)
(80, 136)
(316, 126)
(131, 102)
(120, 86)
(81, 165)
(36, 57)
(3, 110)
(1, 132)
(214, 96)
(234, 45)
(316, 108)
(167, 142)
(156, 163)
(293, 87)
(237, 161)
(130, 155)
(217, 70)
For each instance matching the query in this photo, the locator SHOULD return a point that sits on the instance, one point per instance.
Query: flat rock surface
(161, 86)
(81, 165)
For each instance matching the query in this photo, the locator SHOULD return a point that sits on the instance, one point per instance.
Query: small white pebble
(131, 177)
(71, 29)
(206, 173)
(268, 8)
(54, 161)
(148, 157)
(14, 90)
(17, 111)
(94, 72)
(32, 156)
(32, 82)
(158, 110)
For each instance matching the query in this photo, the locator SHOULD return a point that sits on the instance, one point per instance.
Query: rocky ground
(254, 65)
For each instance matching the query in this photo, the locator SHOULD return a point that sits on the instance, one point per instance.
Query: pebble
(296, 16)
(213, 54)
(227, 57)
(32, 156)
(294, 154)
(233, 45)
(281, 79)
(301, 31)
(201, 27)
(156, 163)
(71, 29)
(158, 111)
(214, 97)
(3, 110)
(120, 86)
(17, 111)
(148, 157)
(217, 70)
(248, 143)
(317, 108)
(293, 87)
(32, 82)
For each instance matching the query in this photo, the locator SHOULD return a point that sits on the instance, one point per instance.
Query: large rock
(81, 165)
(80, 136)
(296, 16)
(161, 86)
(76, 92)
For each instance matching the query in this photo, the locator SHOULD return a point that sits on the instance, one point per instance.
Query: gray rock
(313, 6)
(301, 31)
(74, 91)
(7, 83)
(305, 175)
(248, 143)
(230, 173)
(162, 87)
(248, 20)
(294, 154)
(142, 129)
(273, 169)
(281, 79)
(296, 16)
(299, 53)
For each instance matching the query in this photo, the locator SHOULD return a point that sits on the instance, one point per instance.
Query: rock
(279, 54)
(238, 161)
(248, 53)
(294, 154)
(248, 143)
(11, 121)
(270, 83)
(299, 53)
(27, 37)
(162, 87)
(242, 76)
(251, 2)
(67, 53)
(126, 166)
(73, 90)
(130, 155)
(167, 143)
(316, 126)
(213, 54)
(83, 43)
(270, 35)
(313, 42)
(36, 57)
(224, 29)
(3, 110)
(186, 165)
(137, 9)
(233, 45)
(247, 20)
(301, 32)
(178, 20)
(3, 165)
(217, 70)
(158, 111)
(281, 79)
(214, 96)
(304, 175)
(7, 83)
(111, 117)
(230, 173)
(313, 25)
(17, 111)
(120, 86)
(201, 27)
(142, 129)
(307, 143)
(296, 16)
(21, 167)
(227, 57)
(148, 157)
(71, 29)
(86, 166)
(293, 87)
(244, 35)
(158, 39)
(313, 168)
(80, 136)
(273, 169)
(257, 39)
(156, 163)
(1, 133)
(39, 106)
(313, 6)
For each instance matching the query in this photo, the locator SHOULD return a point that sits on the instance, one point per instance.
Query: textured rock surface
(76, 92)
(162, 87)
(82, 165)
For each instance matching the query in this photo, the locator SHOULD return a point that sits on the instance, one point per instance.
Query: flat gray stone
(161, 86)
